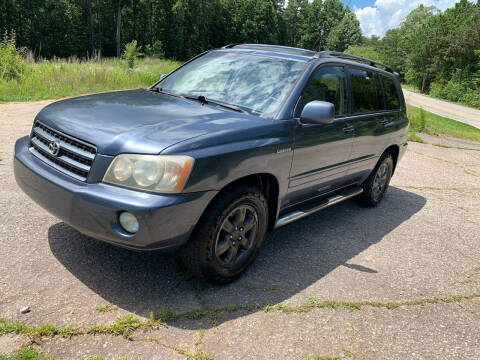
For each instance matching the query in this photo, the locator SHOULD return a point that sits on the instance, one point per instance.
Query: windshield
(256, 84)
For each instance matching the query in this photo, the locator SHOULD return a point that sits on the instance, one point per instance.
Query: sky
(378, 16)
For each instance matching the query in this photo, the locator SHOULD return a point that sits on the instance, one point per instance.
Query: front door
(321, 152)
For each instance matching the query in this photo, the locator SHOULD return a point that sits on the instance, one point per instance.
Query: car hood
(138, 121)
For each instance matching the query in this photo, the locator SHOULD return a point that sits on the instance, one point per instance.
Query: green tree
(345, 34)
(321, 18)
(366, 51)
(131, 53)
(294, 17)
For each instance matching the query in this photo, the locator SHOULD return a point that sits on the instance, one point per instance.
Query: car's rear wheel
(376, 185)
(228, 236)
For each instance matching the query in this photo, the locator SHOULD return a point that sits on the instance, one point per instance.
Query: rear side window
(327, 84)
(381, 98)
(391, 94)
(364, 91)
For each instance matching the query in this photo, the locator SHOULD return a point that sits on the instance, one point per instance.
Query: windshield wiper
(205, 100)
(160, 90)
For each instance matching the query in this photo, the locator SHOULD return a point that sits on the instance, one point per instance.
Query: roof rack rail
(229, 46)
(273, 48)
(352, 57)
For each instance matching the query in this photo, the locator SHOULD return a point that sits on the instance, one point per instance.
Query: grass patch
(455, 147)
(411, 88)
(443, 146)
(199, 355)
(467, 148)
(61, 78)
(415, 138)
(196, 314)
(425, 122)
(26, 353)
(123, 325)
(347, 353)
(230, 308)
(163, 316)
(126, 325)
(106, 308)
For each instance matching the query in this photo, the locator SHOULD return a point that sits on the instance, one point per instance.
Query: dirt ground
(419, 250)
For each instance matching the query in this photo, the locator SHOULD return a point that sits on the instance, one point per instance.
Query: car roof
(299, 54)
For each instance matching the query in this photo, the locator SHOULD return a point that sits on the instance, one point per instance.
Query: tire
(376, 185)
(222, 246)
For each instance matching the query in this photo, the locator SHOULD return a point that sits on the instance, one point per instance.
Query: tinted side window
(327, 84)
(364, 91)
(380, 92)
(391, 94)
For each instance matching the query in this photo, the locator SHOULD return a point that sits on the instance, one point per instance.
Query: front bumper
(166, 221)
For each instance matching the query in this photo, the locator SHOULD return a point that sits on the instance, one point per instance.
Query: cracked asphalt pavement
(422, 242)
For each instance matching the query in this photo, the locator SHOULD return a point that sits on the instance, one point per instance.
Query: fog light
(129, 222)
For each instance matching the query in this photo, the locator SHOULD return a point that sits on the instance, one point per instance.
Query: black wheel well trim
(394, 151)
(267, 183)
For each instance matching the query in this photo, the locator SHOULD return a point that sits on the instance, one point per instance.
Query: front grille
(74, 157)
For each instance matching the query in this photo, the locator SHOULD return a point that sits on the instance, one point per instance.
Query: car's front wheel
(228, 236)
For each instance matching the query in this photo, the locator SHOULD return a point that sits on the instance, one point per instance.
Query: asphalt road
(457, 112)
(422, 242)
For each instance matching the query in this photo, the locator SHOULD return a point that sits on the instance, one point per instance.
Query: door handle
(348, 129)
(384, 121)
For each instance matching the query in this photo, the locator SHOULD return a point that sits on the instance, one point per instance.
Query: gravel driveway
(403, 279)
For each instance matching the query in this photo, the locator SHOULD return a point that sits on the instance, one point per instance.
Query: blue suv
(233, 144)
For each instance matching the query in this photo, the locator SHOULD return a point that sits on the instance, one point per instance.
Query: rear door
(321, 152)
(394, 119)
(369, 120)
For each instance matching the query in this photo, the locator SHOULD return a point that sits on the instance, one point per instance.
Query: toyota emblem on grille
(54, 148)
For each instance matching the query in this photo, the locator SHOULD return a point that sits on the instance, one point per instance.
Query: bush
(12, 63)
(472, 97)
(156, 50)
(414, 78)
(131, 53)
(464, 87)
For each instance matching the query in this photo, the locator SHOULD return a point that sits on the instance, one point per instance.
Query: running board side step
(305, 211)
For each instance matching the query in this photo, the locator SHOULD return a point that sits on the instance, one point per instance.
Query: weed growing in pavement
(26, 353)
(106, 308)
(126, 325)
(163, 316)
(123, 325)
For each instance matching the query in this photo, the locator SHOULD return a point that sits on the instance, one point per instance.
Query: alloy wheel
(236, 237)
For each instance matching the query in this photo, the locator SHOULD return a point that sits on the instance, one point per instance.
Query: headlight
(158, 173)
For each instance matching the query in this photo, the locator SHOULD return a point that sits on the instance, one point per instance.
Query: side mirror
(161, 76)
(318, 112)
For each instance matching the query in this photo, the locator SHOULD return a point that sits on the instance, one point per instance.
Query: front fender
(221, 159)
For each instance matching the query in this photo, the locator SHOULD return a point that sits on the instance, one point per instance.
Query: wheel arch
(267, 183)
(394, 151)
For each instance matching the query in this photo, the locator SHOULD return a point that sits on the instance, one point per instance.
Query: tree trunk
(135, 19)
(424, 84)
(150, 22)
(119, 26)
(90, 20)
